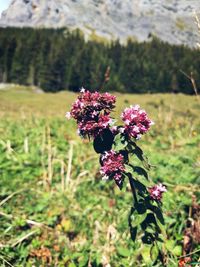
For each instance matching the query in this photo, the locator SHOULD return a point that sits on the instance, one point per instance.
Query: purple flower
(90, 105)
(92, 128)
(136, 121)
(156, 192)
(92, 112)
(113, 166)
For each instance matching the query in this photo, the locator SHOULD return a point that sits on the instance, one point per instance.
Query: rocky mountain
(170, 20)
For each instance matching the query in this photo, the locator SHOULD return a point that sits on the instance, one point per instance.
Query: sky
(4, 5)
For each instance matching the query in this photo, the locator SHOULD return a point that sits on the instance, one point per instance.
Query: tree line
(56, 59)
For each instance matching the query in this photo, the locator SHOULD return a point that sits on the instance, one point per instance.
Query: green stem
(132, 187)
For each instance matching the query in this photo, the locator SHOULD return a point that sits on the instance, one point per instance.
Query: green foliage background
(58, 59)
(86, 223)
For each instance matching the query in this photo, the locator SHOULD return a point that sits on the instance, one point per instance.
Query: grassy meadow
(54, 208)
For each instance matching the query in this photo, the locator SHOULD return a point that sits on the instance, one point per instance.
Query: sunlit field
(54, 208)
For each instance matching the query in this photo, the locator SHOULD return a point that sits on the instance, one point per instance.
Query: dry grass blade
(50, 172)
(189, 254)
(62, 174)
(193, 82)
(29, 222)
(23, 238)
(69, 167)
(106, 77)
(10, 196)
(5, 261)
(26, 146)
(43, 147)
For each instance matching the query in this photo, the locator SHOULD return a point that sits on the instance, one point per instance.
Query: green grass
(85, 219)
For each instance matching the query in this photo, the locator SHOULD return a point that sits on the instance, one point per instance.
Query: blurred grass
(86, 222)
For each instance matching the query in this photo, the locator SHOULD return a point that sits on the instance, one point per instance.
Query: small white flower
(121, 130)
(82, 90)
(142, 111)
(105, 155)
(139, 136)
(162, 188)
(133, 116)
(136, 128)
(127, 121)
(111, 121)
(78, 132)
(105, 178)
(68, 115)
(136, 107)
(114, 128)
(156, 192)
(94, 113)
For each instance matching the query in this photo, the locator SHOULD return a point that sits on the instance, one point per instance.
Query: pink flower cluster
(92, 112)
(113, 166)
(92, 128)
(136, 121)
(156, 192)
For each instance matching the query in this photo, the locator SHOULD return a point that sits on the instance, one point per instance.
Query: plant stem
(132, 187)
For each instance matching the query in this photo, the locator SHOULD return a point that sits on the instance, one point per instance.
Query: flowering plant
(119, 152)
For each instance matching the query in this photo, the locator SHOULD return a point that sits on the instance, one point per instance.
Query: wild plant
(122, 160)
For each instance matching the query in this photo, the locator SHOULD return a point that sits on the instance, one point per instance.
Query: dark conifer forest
(55, 59)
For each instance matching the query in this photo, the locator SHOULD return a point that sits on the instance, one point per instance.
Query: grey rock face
(171, 20)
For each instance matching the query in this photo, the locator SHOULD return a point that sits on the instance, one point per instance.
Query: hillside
(171, 21)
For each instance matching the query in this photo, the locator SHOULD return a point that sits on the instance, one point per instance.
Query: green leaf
(124, 262)
(143, 181)
(154, 252)
(140, 175)
(150, 230)
(128, 168)
(159, 215)
(149, 221)
(177, 251)
(170, 245)
(137, 219)
(124, 252)
(146, 255)
(119, 142)
(140, 171)
(133, 233)
(140, 155)
(140, 207)
(146, 163)
(83, 261)
(117, 138)
(140, 186)
(120, 146)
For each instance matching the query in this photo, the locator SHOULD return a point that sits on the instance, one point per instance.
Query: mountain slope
(170, 20)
